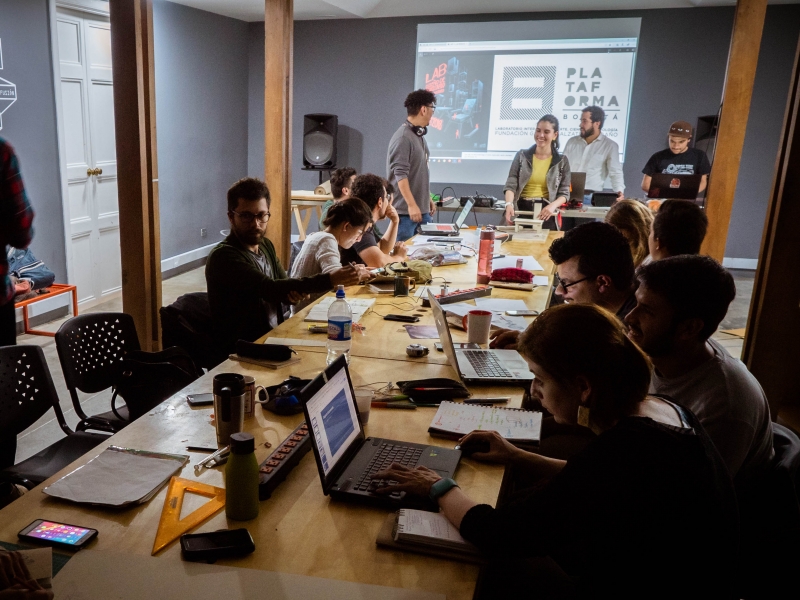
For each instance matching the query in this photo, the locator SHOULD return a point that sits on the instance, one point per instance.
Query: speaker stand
(321, 171)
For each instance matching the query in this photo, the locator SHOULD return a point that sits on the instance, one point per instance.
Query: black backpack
(148, 378)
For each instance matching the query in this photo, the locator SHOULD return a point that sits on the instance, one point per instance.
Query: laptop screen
(333, 420)
(445, 338)
(462, 216)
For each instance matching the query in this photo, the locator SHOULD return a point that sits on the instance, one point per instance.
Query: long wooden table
(299, 530)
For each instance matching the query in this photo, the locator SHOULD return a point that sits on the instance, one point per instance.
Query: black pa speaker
(319, 141)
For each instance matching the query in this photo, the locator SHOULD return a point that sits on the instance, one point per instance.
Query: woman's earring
(583, 416)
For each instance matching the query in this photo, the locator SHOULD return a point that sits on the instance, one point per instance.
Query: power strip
(283, 459)
(459, 295)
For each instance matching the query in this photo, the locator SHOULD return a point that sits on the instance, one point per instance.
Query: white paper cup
(364, 402)
(479, 322)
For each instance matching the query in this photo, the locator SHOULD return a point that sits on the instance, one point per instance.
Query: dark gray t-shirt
(407, 158)
(730, 404)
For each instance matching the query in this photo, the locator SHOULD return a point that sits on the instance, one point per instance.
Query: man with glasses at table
(593, 266)
(247, 285)
(407, 165)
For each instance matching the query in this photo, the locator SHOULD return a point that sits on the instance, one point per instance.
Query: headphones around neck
(420, 131)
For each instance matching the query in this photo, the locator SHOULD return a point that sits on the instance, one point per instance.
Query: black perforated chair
(91, 348)
(27, 393)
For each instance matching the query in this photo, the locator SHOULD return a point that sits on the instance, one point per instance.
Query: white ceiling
(253, 10)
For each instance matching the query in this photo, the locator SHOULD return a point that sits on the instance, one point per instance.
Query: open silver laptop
(448, 228)
(480, 366)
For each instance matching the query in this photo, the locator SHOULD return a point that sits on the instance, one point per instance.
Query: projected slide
(494, 81)
(337, 422)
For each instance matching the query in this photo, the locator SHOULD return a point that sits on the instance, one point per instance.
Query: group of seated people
(675, 429)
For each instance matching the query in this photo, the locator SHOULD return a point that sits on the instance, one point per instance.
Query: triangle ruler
(171, 526)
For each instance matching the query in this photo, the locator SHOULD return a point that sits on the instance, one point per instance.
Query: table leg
(301, 230)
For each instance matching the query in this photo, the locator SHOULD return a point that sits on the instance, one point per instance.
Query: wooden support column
(278, 49)
(137, 167)
(748, 25)
(772, 342)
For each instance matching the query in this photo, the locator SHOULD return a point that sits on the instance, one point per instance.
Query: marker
(487, 401)
(405, 405)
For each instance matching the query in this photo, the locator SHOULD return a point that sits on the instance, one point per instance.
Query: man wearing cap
(678, 159)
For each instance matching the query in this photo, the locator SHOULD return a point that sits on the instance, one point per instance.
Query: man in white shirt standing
(595, 154)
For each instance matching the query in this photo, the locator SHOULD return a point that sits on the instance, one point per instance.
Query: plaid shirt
(16, 215)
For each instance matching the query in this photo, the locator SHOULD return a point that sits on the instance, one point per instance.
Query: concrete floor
(46, 431)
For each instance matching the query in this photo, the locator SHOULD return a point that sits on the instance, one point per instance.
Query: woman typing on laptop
(646, 510)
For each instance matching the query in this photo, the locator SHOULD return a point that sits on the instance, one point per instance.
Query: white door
(87, 100)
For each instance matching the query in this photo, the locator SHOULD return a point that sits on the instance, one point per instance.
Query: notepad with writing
(454, 420)
(429, 529)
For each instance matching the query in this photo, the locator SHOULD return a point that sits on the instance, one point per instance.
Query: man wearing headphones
(407, 165)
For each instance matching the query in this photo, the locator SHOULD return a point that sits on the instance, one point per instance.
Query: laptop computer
(577, 185)
(671, 185)
(448, 228)
(347, 458)
(488, 367)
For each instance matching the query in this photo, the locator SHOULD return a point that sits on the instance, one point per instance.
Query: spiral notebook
(454, 420)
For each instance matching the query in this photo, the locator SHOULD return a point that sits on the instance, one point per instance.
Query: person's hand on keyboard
(504, 339)
(412, 481)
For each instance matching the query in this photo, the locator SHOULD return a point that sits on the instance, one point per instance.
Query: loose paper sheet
(115, 479)
(294, 342)
(96, 575)
(359, 306)
(528, 263)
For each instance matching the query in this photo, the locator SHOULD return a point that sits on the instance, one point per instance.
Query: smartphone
(402, 318)
(200, 399)
(217, 544)
(459, 346)
(60, 535)
(522, 313)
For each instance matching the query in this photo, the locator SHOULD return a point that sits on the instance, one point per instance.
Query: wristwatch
(441, 487)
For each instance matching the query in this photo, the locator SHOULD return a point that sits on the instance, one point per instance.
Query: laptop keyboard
(486, 364)
(384, 457)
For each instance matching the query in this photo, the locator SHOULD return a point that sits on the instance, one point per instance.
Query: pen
(381, 404)
(487, 400)
(200, 449)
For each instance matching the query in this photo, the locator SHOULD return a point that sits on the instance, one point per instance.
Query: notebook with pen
(455, 420)
(346, 458)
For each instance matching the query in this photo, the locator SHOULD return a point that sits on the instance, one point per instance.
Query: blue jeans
(407, 228)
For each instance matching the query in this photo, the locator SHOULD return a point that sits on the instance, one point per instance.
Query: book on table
(454, 420)
(431, 529)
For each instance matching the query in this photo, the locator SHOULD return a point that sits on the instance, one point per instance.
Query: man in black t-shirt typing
(678, 159)
(372, 251)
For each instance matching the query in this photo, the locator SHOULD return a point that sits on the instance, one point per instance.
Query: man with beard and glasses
(247, 284)
(681, 301)
(595, 154)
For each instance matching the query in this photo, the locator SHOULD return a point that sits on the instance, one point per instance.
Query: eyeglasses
(248, 217)
(564, 286)
(431, 106)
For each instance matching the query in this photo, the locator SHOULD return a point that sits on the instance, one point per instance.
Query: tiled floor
(45, 431)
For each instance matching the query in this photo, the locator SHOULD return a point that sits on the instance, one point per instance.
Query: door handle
(98, 171)
(89, 172)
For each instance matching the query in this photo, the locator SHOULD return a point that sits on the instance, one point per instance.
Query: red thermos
(485, 251)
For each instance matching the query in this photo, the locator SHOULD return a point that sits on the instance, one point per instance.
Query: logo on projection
(528, 93)
(8, 91)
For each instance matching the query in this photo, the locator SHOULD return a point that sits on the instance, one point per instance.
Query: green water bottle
(241, 479)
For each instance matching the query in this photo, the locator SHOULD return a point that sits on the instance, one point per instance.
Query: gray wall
(363, 71)
(30, 123)
(201, 115)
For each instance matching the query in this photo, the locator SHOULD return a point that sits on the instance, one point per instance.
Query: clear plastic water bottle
(340, 323)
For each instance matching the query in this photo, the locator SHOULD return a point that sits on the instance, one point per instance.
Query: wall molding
(740, 263)
(95, 7)
(179, 260)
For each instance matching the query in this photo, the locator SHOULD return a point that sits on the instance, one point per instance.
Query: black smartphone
(214, 545)
(402, 318)
(200, 399)
(60, 535)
